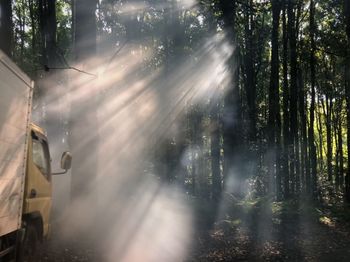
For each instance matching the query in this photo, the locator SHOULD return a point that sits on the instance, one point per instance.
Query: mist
(199, 130)
(128, 208)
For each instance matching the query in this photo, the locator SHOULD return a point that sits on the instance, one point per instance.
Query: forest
(201, 130)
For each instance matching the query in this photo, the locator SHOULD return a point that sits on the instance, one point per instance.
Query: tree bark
(312, 181)
(329, 107)
(32, 21)
(232, 123)
(293, 106)
(83, 115)
(305, 167)
(286, 121)
(215, 151)
(48, 28)
(6, 27)
(347, 90)
(274, 130)
(341, 153)
(249, 66)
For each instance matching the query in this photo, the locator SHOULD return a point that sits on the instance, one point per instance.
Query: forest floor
(276, 231)
(249, 231)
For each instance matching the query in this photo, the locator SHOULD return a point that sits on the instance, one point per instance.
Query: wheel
(29, 246)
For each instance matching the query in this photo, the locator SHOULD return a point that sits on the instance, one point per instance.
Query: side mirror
(66, 160)
(66, 163)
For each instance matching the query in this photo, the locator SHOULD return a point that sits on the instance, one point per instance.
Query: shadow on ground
(258, 230)
(262, 230)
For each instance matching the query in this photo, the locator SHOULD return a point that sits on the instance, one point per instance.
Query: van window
(40, 157)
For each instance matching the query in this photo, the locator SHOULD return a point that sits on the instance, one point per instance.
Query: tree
(294, 145)
(83, 115)
(347, 90)
(6, 26)
(274, 120)
(312, 185)
(250, 54)
(47, 24)
(232, 124)
(285, 106)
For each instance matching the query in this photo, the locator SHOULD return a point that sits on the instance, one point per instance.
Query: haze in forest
(200, 130)
(135, 109)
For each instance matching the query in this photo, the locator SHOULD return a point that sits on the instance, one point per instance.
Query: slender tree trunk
(329, 107)
(201, 179)
(305, 167)
(341, 152)
(298, 141)
(294, 150)
(6, 27)
(335, 128)
(21, 21)
(312, 147)
(274, 131)
(215, 131)
(320, 132)
(215, 151)
(32, 21)
(48, 28)
(286, 121)
(347, 90)
(83, 115)
(232, 130)
(250, 83)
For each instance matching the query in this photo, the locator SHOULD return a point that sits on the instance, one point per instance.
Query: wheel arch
(35, 218)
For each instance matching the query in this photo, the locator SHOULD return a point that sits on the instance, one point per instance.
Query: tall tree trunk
(250, 82)
(48, 28)
(319, 131)
(329, 108)
(335, 136)
(83, 115)
(49, 82)
(347, 90)
(341, 152)
(215, 131)
(232, 124)
(215, 151)
(6, 27)
(305, 171)
(337, 139)
(286, 121)
(312, 147)
(32, 21)
(294, 150)
(85, 30)
(21, 21)
(274, 131)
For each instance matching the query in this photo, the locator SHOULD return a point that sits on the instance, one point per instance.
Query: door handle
(32, 193)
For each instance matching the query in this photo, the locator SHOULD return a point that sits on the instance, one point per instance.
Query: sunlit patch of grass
(276, 221)
(248, 205)
(236, 222)
(277, 208)
(228, 224)
(326, 221)
(294, 208)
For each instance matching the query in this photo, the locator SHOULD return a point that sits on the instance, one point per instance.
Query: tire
(30, 244)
